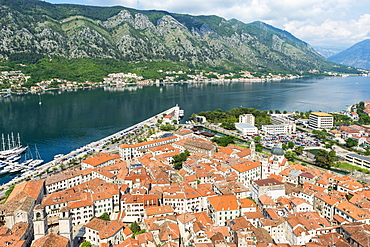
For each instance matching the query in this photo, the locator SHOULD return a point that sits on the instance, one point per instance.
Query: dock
(175, 111)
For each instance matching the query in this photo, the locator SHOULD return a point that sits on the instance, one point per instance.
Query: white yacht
(38, 160)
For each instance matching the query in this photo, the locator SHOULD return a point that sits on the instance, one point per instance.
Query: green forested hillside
(88, 41)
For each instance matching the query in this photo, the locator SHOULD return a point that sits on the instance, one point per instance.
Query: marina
(11, 154)
(34, 168)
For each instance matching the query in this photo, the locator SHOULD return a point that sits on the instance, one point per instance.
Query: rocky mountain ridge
(30, 28)
(357, 55)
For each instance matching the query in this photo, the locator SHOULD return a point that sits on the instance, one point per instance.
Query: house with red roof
(269, 186)
(248, 171)
(129, 151)
(100, 231)
(222, 208)
(99, 160)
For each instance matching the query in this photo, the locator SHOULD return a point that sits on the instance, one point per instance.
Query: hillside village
(17, 81)
(222, 196)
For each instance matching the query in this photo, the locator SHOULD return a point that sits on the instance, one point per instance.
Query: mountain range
(327, 52)
(357, 55)
(33, 29)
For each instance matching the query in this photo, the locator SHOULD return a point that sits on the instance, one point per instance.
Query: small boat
(38, 160)
(35, 163)
(6, 169)
(15, 169)
(58, 156)
(13, 158)
(28, 158)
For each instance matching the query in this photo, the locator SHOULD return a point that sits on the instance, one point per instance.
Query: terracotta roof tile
(51, 240)
(224, 202)
(166, 209)
(99, 159)
(30, 188)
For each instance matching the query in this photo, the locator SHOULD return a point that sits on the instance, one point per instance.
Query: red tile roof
(51, 240)
(224, 202)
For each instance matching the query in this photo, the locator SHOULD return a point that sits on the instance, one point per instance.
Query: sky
(336, 24)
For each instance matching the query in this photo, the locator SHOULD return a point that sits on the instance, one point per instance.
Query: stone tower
(65, 224)
(40, 222)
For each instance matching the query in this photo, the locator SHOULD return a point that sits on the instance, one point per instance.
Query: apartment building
(321, 120)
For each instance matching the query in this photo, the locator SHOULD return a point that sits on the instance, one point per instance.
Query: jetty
(175, 112)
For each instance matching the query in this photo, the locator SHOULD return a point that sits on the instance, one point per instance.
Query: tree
(259, 147)
(290, 155)
(298, 149)
(228, 125)
(351, 142)
(166, 127)
(9, 191)
(332, 156)
(290, 145)
(105, 216)
(257, 139)
(320, 134)
(307, 114)
(179, 159)
(277, 112)
(134, 227)
(86, 244)
(325, 158)
(223, 141)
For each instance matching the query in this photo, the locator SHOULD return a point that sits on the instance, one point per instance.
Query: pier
(90, 148)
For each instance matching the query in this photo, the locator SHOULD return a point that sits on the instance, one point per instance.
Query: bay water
(68, 120)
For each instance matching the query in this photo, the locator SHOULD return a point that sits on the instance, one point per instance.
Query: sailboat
(38, 160)
(14, 147)
(28, 158)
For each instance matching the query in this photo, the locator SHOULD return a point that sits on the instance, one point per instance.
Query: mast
(9, 144)
(19, 140)
(37, 153)
(13, 142)
(3, 141)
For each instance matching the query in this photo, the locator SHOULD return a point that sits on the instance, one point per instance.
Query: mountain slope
(327, 52)
(357, 55)
(32, 28)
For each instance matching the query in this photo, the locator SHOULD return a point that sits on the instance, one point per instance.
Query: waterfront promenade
(89, 148)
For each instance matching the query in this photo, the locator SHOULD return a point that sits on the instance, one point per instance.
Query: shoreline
(161, 83)
(87, 149)
(153, 83)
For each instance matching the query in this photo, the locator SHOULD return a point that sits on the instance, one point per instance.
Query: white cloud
(327, 23)
(331, 32)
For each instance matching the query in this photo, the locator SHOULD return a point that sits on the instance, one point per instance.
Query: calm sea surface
(67, 120)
